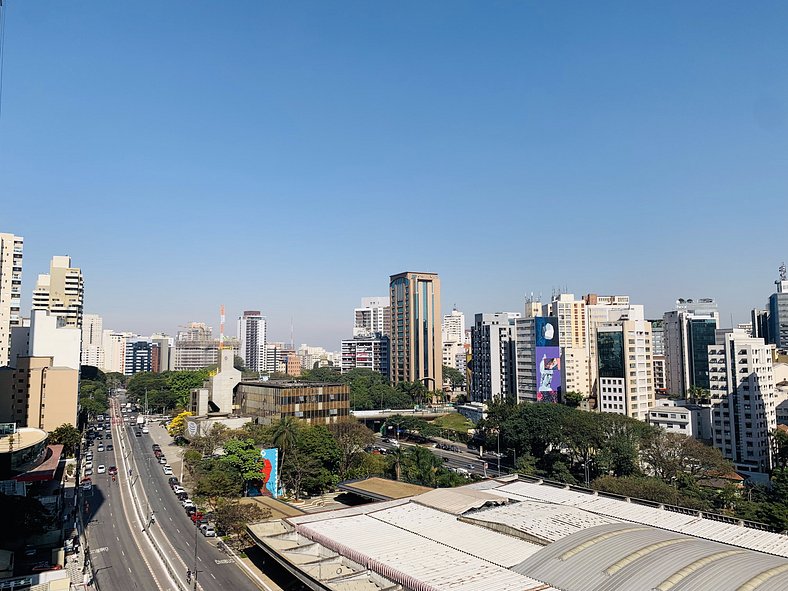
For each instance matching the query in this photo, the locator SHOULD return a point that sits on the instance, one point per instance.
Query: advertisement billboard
(548, 374)
(547, 331)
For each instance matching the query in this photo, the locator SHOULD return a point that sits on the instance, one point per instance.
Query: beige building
(317, 404)
(416, 342)
(573, 336)
(10, 290)
(61, 291)
(36, 394)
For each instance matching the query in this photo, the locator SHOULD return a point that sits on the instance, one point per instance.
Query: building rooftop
(24, 437)
(523, 535)
(382, 489)
(289, 384)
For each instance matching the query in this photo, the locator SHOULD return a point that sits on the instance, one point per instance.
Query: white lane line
(214, 576)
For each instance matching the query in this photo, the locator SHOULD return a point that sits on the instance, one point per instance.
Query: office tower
(163, 359)
(760, 324)
(195, 347)
(275, 357)
(744, 397)
(42, 387)
(61, 291)
(599, 310)
(252, 334)
(658, 355)
(493, 351)
(416, 347)
(92, 335)
(624, 368)
(11, 247)
(114, 345)
(688, 332)
(453, 336)
(778, 312)
(373, 317)
(366, 353)
(138, 356)
(538, 365)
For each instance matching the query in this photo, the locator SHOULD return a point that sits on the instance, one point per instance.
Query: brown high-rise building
(416, 343)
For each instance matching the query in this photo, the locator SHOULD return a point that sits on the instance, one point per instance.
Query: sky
(289, 157)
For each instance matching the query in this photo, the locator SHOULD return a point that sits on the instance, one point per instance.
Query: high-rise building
(252, 334)
(688, 332)
(493, 350)
(778, 312)
(61, 291)
(11, 247)
(658, 355)
(416, 347)
(275, 357)
(573, 335)
(539, 360)
(139, 356)
(370, 352)
(195, 347)
(163, 355)
(624, 367)
(92, 336)
(760, 324)
(454, 341)
(744, 397)
(114, 345)
(372, 317)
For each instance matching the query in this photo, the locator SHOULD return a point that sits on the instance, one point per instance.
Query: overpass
(374, 419)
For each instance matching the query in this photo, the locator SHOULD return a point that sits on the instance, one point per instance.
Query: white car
(162, 460)
(187, 503)
(209, 532)
(100, 448)
(88, 465)
(102, 469)
(167, 470)
(178, 490)
(145, 430)
(88, 471)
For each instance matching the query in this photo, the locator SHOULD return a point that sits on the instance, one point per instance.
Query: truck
(140, 420)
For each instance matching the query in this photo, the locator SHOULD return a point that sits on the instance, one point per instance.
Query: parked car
(162, 460)
(88, 471)
(209, 532)
(89, 463)
(110, 448)
(102, 469)
(167, 470)
(100, 448)
(173, 481)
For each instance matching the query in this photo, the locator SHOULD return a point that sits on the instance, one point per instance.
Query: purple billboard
(548, 374)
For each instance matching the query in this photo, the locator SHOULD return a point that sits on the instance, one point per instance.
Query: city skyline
(622, 141)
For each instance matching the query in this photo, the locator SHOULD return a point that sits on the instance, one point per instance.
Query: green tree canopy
(68, 436)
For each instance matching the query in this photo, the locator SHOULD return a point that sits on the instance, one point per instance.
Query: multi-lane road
(139, 536)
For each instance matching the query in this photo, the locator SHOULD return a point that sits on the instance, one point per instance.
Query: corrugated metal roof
(458, 500)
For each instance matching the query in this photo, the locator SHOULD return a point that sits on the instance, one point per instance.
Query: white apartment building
(114, 346)
(11, 248)
(252, 334)
(373, 317)
(667, 415)
(454, 338)
(61, 291)
(46, 335)
(92, 336)
(366, 353)
(744, 396)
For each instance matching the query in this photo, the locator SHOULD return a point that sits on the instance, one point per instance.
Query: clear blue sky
(290, 156)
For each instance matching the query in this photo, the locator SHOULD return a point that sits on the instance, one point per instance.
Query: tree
(232, 516)
(316, 443)
(779, 441)
(650, 489)
(351, 438)
(92, 406)
(181, 383)
(573, 399)
(219, 482)
(177, 425)
(321, 374)
(243, 456)
(454, 377)
(68, 436)
(421, 466)
(284, 436)
(415, 390)
(296, 469)
(670, 454)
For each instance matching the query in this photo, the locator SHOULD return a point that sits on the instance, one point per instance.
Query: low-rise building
(315, 403)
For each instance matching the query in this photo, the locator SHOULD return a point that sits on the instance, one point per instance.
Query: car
(100, 448)
(167, 470)
(87, 484)
(198, 516)
(102, 469)
(209, 532)
(89, 463)
(88, 471)
(109, 447)
(45, 565)
(155, 447)
(162, 460)
(145, 430)
(30, 551)
(172, 481)
(138, 434)
(113, 470)
(190, 509)
(89, 456)
(187, 502)
(109, 435)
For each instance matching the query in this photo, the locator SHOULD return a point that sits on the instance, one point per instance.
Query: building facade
(252, 334)
(11, 248)
(778, 313)
(371, 352)
(416, 344)
(317, 404)
(494, 357)
(373, 317)
(688, 332)
(61, 291)
(195, 348)
(138, 356)
(744, 397)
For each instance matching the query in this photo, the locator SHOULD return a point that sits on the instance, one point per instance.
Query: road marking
(224, 561)
(117, 538)
(199, 558)
(213, 575)
(100, 550)
(179, 531)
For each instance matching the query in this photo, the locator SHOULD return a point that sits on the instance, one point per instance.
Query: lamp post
(499, 451)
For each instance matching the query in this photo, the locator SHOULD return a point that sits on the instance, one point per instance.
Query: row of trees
(167, 390)
(617, 454)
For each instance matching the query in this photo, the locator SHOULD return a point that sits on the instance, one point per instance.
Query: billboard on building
(268, 474)
(547, 331)
(548, 374)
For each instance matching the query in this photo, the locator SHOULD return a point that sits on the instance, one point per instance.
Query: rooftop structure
(523, 535)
